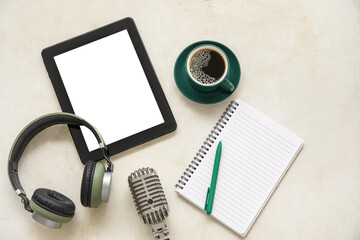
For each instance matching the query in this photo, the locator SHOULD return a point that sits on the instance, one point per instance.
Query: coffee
(207, 66)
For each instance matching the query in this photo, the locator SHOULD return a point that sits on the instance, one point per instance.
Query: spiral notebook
(256, 153)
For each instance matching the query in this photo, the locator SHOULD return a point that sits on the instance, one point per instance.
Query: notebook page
(256, 152)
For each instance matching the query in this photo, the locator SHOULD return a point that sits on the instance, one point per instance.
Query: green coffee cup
(207, 67)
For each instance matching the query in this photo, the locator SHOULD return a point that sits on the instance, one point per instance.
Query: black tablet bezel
(169, 124)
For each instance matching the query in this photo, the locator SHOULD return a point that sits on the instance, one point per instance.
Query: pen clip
(207, 199)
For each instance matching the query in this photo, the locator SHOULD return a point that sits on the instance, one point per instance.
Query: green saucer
(202, 97)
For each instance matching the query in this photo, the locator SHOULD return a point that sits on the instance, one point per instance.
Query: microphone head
(150, 201)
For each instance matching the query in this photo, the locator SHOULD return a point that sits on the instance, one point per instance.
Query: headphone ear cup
(51, 208)
(91, 185)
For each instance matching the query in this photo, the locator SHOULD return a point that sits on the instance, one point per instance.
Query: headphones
(49, 207)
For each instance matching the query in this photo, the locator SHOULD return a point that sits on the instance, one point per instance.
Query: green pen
(211, 190)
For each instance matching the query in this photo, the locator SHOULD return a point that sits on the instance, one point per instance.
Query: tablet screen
(107, 86)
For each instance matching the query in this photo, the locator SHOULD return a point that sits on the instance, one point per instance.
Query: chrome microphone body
(150, 200)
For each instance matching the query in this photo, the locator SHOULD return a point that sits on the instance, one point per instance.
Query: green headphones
(49, 207)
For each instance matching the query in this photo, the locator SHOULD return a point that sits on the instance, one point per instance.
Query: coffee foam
(198, 61)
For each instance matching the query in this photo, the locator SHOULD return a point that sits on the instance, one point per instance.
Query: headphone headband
(35, 127)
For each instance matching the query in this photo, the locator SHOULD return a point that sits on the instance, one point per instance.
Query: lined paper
(256, 153)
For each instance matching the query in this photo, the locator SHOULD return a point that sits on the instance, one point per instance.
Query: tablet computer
(106, 77)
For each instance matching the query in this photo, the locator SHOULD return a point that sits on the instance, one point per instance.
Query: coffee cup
(207, 67)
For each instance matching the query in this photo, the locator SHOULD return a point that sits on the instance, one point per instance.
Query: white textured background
(300, 66)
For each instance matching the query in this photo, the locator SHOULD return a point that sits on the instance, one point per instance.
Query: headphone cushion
(97, 184)
(54, 202)
(86, 184)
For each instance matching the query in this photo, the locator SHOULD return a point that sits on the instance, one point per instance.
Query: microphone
(150, 200)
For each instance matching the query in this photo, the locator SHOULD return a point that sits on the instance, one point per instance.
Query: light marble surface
(300, 66)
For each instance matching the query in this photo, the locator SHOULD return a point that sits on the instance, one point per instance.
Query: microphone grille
(148, 195)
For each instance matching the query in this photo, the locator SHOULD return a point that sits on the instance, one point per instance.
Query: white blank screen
(107, 86)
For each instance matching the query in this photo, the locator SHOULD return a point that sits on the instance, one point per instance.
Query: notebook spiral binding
(225, 117)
